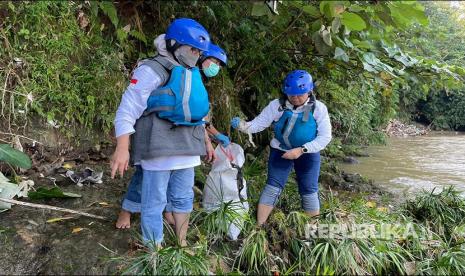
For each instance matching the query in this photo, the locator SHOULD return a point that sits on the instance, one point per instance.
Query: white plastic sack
(221, 184)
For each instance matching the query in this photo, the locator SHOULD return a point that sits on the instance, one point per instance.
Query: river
(406, 165)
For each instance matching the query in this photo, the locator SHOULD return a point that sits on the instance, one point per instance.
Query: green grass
(254, 255)
(416, 247)
(215, 224)
(444, 210)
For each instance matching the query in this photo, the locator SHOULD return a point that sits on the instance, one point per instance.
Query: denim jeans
(307, 169)
(156, 187)
(132, 198)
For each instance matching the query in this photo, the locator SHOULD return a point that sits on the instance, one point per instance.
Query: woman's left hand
(292, 154)
(211, 156)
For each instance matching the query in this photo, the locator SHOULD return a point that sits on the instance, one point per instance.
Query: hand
(119, 162)
(235, 122)
(222, 139)
(211, 156)
(292, 154)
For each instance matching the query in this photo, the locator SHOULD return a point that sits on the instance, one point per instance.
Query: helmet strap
(172, 45)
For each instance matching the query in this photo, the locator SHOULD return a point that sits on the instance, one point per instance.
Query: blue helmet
(186, 31)
(297, 82)
(216, 52)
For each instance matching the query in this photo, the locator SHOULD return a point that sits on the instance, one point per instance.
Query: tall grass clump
(168, 260)
(444, 210)
(215, 223)
(254, 256)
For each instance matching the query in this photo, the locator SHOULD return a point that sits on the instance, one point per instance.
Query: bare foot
(124, 220)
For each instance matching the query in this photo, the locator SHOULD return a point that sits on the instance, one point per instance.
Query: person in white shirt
(167, 155)
(301, 130)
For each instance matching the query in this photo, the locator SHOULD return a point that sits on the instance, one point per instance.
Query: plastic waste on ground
(87, 175)
(223, 183)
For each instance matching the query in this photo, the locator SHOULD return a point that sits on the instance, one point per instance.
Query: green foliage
(350, 49)
(215, 224)
(444, 110)
(70, 73)
(54, 192)
(14, 157)
(444, 210)
(254, 255)
(169, 261)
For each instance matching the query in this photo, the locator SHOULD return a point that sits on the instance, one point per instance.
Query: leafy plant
(54, 192)
(254, 255)
(216, 223)
(14, 157)
(444, 210)
(169, 261)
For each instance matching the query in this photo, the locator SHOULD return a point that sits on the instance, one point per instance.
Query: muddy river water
(405, 165)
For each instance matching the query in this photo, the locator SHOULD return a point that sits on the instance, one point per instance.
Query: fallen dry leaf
(58, 219)
(77, 230)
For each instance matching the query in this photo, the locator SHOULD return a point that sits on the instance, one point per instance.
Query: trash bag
(225, 182)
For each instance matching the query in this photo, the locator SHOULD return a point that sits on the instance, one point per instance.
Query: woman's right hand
(119, 161)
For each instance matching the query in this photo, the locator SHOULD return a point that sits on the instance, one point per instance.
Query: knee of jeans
(270, 195)
(310, 202)
(153, 207)
(182, 204)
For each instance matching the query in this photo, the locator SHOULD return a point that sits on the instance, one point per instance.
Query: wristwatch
(304, 149)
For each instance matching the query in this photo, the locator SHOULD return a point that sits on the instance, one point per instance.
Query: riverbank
(51, 242)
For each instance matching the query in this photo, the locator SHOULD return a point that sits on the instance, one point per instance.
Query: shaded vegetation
(73, 72)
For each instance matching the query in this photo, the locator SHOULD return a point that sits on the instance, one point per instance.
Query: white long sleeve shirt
(272, 114)
(133, 103)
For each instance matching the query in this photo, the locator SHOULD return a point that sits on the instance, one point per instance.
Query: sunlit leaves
(353, 21)
(405, 12)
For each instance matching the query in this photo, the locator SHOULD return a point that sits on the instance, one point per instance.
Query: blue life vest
(294, 129)
(183, 100)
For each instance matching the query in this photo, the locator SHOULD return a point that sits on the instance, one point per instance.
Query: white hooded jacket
(133, 103)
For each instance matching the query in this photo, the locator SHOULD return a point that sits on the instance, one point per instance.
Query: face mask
(212, 70)
(185, 56)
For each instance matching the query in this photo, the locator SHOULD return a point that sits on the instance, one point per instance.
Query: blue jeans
(157, 186)
(307, 169)
(132, 198)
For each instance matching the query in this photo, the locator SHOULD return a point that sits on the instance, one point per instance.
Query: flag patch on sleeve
(133, 81)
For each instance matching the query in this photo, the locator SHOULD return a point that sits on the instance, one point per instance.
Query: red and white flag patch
(133, 81)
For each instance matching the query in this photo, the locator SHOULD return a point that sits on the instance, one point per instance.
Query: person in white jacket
(301, 130)
(169, 166)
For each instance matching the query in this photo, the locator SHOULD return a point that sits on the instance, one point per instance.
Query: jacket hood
(160, 46)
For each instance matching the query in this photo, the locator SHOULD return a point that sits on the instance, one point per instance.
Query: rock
(350, 160)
